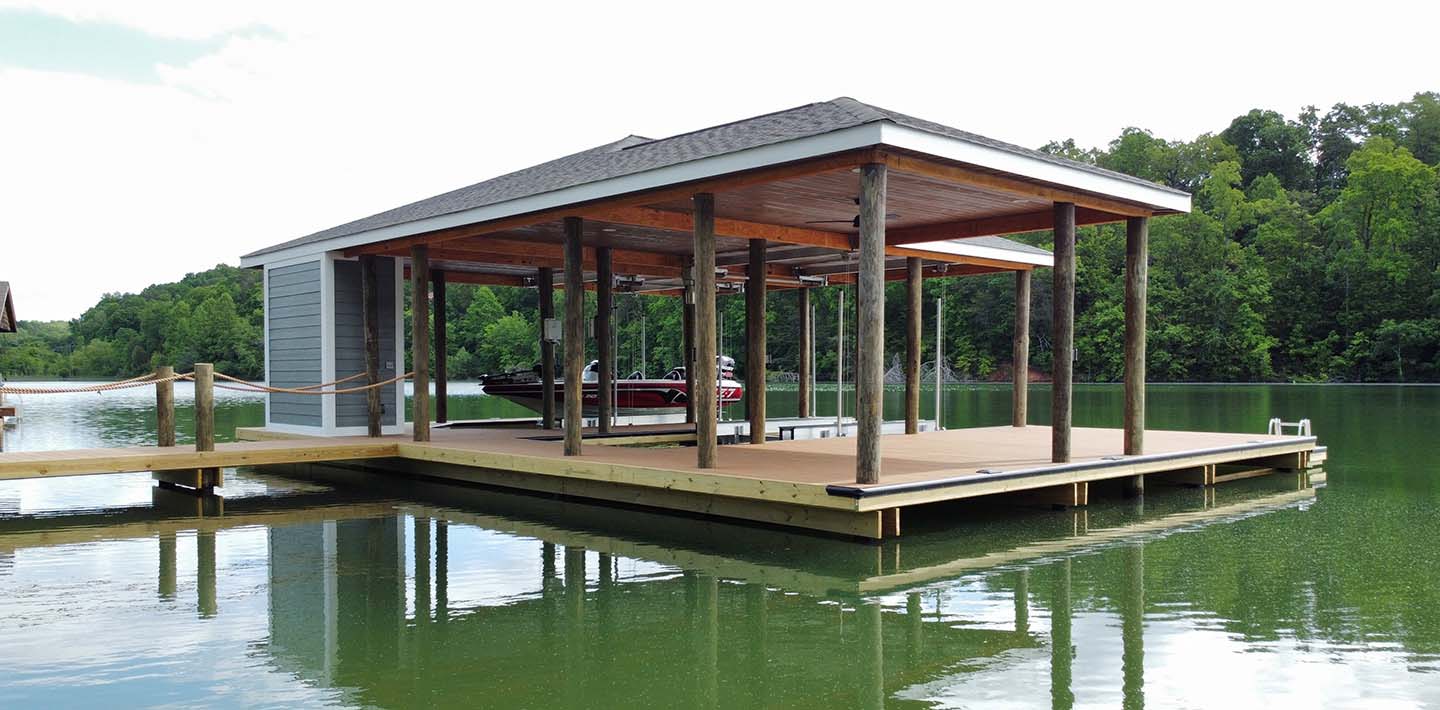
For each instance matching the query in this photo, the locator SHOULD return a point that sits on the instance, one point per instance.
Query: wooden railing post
(164, 406)
(204, 406)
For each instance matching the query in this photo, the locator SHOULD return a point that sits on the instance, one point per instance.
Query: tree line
(1312, 254)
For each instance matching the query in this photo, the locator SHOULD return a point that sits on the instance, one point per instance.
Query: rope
(141, 381)
(243, 386)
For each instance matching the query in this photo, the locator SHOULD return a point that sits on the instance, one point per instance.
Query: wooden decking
(807, 483)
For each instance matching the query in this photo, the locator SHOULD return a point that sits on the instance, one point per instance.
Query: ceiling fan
(853, 222)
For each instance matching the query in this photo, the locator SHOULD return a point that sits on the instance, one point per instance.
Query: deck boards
(801, 480)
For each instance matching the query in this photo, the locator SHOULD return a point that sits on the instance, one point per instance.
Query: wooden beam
(1020, 352)
(420, 340)
(501, 245)
(870, 322)
(545, 282)
(683, 222)
(802, 297)
(370, 323)
(966, 175)
(604, 309)
(472, 277)
(929, 272)
(595, 209)
(1137, 272)
(442, 370)
(164, 407)
(702, 392)
(914, 283)
(777, 253)
(1062, 322)
(755, 343)
(993, 226)
(574, 339)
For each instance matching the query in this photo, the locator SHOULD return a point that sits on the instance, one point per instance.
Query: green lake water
(332, 587)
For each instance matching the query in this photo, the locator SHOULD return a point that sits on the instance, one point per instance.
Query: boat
(634, 395)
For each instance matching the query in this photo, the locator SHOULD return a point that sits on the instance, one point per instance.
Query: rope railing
(141, 381)
(239, 385)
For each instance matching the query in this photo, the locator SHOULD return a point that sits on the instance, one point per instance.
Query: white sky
(332, 113)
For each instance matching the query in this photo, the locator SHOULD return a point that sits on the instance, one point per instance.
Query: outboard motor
(726, 366)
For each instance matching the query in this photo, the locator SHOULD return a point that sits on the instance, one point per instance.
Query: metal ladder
(1277, 427)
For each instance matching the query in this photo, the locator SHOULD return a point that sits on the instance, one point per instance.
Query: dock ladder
(1277, 427)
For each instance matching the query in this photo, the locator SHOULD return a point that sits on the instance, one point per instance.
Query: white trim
(1031, 167)
(265, 325)
(749, 159)
(327, 337)
(961, 247)
(304, 430)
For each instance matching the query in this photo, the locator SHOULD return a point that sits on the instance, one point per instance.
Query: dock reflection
(627, 607)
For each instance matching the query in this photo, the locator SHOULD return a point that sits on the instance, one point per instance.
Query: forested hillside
(1313, 254)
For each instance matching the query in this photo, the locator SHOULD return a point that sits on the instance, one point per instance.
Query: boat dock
(795, 483)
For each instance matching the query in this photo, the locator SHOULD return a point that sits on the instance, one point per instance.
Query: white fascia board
(759, 157)
(1031, 167)
(958, 247)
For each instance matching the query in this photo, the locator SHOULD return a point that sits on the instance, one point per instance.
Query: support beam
(370, 323)
(164, 407)
(702, 392)
(755, 343)
(442, 370)
(913, 312)
(420, 339)
(687, 338)
(545, 282)
(1137, 272)
(870, 324)
(802, 297)
(1020, 354)
(993, 226)
(574, 339)
(1063, 323)
(604, 309)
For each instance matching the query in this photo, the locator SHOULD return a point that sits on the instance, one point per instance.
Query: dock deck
(805, 483)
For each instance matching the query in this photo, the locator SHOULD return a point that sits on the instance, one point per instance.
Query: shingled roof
(635, 154)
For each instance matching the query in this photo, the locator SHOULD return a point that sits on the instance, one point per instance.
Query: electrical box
(551, 331)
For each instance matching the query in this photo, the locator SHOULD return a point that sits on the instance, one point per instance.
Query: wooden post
(755, 341)
(703, 391)
(204, 406)
(802, 295)
(870, 324)
(1020, 355)
(1137, 270)
(1063, 325)
(687, 323)
(370, 317)
(574, 333)
(913, 312)
(604, 308)
(420, 338)
(442, 374)
(545, 282)
(164, 407)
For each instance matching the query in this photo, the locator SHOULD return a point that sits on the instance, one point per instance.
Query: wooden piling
(574, 338)
(604, 309)
(370, 317)
(687, 324)
(420, 339)
(442, 370)
(870, 324)
(1020, 353)
(702, 393)
(164, 407)
(913, 313)
(1063, 324)
(1137, 272)
(802, 296)
(204, 406)
(545, 282)
(755, 327)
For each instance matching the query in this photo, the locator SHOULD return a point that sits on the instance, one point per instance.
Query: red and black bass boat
(634, 395)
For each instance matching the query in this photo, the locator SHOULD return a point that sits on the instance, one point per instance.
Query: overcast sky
(140, 141)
